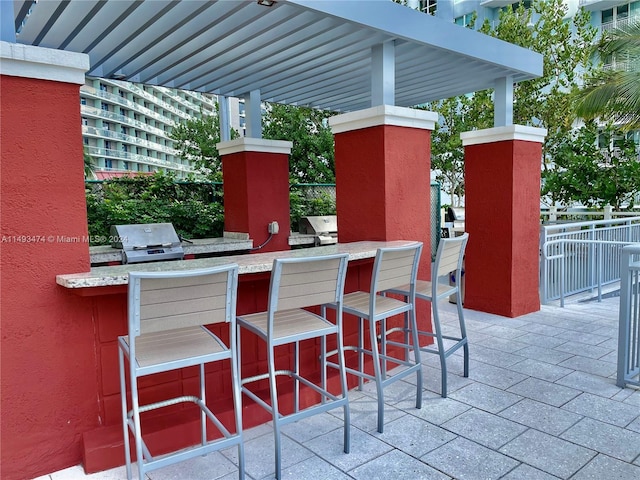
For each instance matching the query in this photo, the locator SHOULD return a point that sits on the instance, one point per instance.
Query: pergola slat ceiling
(304, 52)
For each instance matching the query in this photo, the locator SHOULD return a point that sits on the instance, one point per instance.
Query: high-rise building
(126, 126)
(606, 15)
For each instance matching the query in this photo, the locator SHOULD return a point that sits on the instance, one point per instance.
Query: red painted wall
(502, 188)
(256, 192)
(48, 379)
(383, 184)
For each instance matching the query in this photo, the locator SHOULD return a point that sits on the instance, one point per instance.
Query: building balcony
(94, 112)
(497, 3)
(137, 158)
(595, 5)
(619, 23)
(94, 132)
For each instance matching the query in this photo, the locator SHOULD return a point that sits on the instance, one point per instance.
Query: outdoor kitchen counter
(201, 246)
(248, 263)
(103, 292)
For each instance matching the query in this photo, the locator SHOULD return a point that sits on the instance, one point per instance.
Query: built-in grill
(323, 227)
(150, 242)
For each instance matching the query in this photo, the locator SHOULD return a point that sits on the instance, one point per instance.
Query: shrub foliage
(194, 208)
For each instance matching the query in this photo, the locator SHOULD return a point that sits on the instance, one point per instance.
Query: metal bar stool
(393, 266)
(448, 259)
(167, 314)
(297, 283)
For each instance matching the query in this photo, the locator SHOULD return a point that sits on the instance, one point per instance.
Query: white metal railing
(554, 214)
(90, 111)
(583, 256)
(629, 323)
(618, 23)
(134, 157)
(89, 130)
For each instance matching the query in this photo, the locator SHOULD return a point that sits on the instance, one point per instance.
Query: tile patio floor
(540, 403)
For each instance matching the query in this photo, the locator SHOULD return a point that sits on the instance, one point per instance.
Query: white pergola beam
(383, 74)
(253, 114)
(503, 102)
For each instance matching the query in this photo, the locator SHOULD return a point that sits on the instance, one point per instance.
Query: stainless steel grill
(324, 227)
(149, 242)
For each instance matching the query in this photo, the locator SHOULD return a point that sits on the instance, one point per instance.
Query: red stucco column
(256, 189)
(48, 378)
(382, 157)
(502, 216)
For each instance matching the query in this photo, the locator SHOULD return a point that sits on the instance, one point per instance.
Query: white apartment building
(605, 15)
(126, 126)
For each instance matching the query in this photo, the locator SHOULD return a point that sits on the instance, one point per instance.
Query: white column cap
(383, 115)
(249, 144)
(499, 134)
(27, 61)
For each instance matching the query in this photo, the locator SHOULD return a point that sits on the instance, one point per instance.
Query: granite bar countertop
(248, 263)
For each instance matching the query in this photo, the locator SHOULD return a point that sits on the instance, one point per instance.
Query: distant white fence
(553, 214)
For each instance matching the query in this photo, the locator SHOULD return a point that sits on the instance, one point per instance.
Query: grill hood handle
(144, 247)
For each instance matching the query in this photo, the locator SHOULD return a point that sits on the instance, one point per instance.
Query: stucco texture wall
(48, 369)
(502, 185)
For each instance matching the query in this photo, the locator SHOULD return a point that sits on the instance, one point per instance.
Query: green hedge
(194, 208)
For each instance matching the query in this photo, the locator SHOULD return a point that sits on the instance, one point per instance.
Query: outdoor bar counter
(248, 264)
(106, 288)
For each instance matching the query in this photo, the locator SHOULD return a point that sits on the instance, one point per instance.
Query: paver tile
(495, 376)
(548, 355)
(603, 409)
(542, 370)
(526, 472)
(605, 438)
(541, 416)
(545, 392)
(604, 467)
(364, 448)
(548, 453)
(211, 466)
(485, 397)
(590, 365)
(313, 467)
(467, 460)
(484, 428)
(590, 383)
(413, 436)
(398, 466)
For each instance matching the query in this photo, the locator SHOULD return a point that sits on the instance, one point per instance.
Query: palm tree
(89, 165)
(614, 94)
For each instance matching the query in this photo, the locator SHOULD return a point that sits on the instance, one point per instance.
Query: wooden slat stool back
(448, 260)
(393, 266)
(297, 283)
(167, 314)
